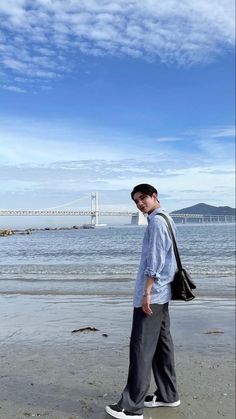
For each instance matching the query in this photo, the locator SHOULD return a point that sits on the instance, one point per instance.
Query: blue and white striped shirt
(157, 260)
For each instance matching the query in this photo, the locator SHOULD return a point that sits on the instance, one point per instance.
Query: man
(151, 346)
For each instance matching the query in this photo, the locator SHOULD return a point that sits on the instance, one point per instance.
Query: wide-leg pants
(151, 349)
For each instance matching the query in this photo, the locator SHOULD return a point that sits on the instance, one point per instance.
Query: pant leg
(143, 344)
(163, 365)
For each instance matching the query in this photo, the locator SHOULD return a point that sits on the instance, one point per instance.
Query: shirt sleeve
(158, 245)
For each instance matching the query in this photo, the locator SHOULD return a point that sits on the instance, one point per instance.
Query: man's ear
(155, 196)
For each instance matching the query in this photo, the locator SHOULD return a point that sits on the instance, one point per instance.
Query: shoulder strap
(177, 256)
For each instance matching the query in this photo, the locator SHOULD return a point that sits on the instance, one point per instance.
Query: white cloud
(220, 132)
(170, 31)
(57, 160)
(37, 155)
(36, 141)
(13, 89)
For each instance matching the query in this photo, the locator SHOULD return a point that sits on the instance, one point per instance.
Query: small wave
(66, 280)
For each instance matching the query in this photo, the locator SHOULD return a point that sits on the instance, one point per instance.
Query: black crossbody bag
(182, 284)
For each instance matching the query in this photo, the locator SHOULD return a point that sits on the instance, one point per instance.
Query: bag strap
(177, 256)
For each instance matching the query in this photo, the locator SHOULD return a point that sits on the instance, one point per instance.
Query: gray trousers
(151, 348)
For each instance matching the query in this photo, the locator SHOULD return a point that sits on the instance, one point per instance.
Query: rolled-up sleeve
(157, 249)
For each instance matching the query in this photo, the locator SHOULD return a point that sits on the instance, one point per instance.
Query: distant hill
(206, 210)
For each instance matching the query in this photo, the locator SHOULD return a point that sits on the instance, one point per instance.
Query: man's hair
(145, 189)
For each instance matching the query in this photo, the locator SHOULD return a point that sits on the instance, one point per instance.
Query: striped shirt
(157, 261)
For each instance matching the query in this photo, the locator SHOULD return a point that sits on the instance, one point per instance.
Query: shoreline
(202, 294)
(49, 320)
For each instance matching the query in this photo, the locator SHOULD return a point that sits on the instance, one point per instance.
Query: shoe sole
(121, 415)
(161, 404)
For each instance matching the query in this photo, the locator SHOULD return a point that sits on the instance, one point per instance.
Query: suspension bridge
(137, 218)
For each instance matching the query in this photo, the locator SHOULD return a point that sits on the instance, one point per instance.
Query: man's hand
(146, 305)
(146, 296)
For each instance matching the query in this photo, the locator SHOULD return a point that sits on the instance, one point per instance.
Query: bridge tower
(94, 208)
(138, 219)
(95, 211)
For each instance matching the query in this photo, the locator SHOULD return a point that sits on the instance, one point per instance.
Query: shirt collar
(153, 213)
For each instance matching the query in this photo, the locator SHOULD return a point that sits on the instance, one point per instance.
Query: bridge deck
(104, 214)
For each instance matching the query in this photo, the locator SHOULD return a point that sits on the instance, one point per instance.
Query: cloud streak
(38, 165)
(98, 174)
(40, 143)
(39, 37)
(220, 132)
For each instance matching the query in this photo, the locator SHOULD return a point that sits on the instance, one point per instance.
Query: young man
(151, 346)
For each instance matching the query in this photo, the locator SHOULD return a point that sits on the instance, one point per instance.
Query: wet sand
(46, 371)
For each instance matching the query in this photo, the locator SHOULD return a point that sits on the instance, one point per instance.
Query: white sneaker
(117, 412)
(151, 401)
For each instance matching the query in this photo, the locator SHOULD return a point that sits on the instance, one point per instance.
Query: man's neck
(156, 207)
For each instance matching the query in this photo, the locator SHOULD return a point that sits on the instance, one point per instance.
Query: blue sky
(100, 95)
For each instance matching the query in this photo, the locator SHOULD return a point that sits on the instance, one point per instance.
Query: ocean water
(52, 282)
(105, 261)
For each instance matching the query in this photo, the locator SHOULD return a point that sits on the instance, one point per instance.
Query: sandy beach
(76, 376)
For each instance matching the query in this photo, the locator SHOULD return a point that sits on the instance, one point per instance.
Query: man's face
(145, 203)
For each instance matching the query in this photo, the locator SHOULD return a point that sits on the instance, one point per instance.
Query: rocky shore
(4, 233)
(11, 232)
